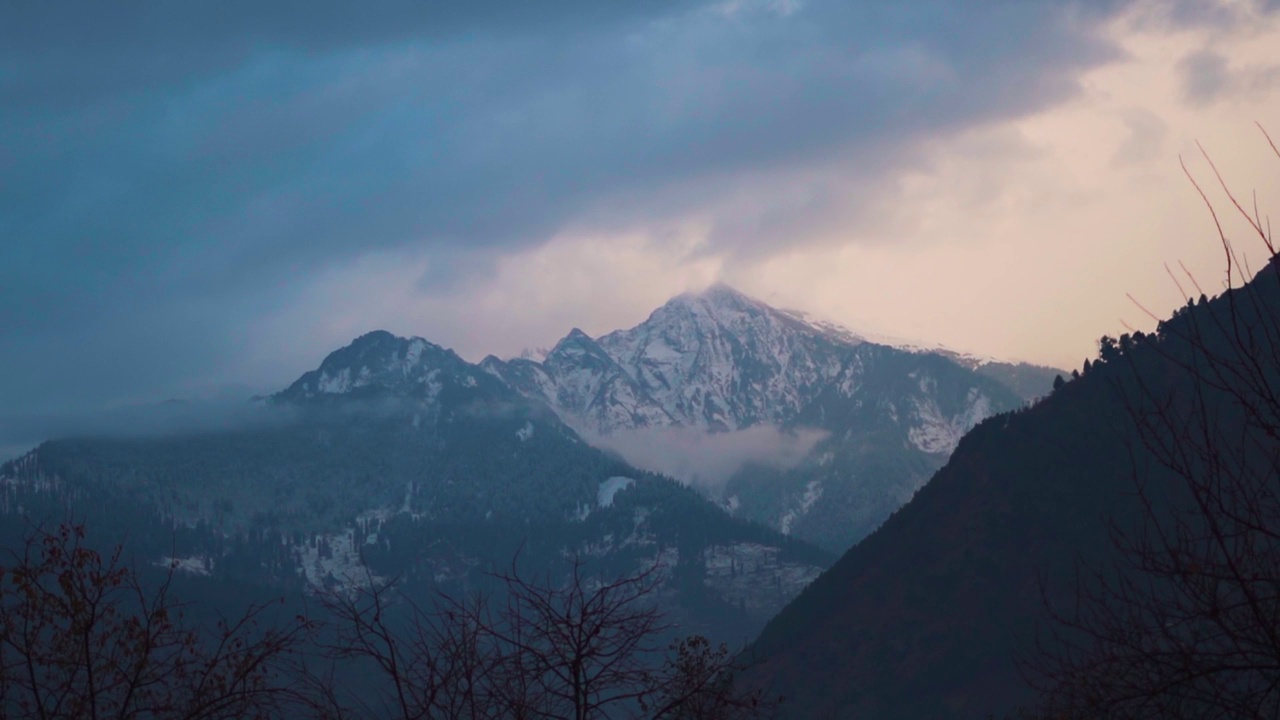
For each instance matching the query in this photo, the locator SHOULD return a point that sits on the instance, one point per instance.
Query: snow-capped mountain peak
(718, 294)
(721, 360)
(719, 304)
(380, 362)
(716, 359)
(706, 363)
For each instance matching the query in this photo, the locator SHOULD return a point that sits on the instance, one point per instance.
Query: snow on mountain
(935, 432)
(812, 492)
(831, 328)
(610, 487)
(713, 361)
(719, 360)
(754, 576)
(536, 354)
(1029, 380)
(716, 360)
(720, 364)
(380, 361)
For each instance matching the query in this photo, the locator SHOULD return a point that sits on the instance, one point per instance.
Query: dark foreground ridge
(926, 617)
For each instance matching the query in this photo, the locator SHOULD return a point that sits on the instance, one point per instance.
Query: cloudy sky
(202, 199)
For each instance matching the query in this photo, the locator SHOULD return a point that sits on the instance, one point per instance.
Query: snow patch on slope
(335, 384)
(936, 433)
(812, 492)
(609, 488)
(753, 576)
(193, 565)
(334, 561)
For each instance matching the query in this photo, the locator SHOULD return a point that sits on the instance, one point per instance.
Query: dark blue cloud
(173, 171)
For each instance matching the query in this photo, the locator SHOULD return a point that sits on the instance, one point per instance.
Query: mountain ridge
(395, 458)
(925, 616)
(719, 362)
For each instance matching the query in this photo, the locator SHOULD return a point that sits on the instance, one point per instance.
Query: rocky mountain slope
(398, 454)
(878, 420)
(395, 443)
(890, 421)
(1028, 380)
(716, 360)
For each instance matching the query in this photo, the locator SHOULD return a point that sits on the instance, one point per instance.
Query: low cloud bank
(20, 433)
(707, 460)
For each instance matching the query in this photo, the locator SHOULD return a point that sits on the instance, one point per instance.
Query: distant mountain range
(803, 426)
(398, 453)
(856, 426)
(716, 360)
(396, 457)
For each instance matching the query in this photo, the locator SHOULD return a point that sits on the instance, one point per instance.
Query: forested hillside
(926, 617)
(428, 470)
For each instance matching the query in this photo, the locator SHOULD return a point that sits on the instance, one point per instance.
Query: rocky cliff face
(715, 361)
(719, 362)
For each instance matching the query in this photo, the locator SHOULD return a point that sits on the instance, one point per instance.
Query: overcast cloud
(202, 197)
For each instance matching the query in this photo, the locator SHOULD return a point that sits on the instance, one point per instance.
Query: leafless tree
(81, 636)
(1187, 623)
(699, 684)
(573, 648)
(435, 661)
